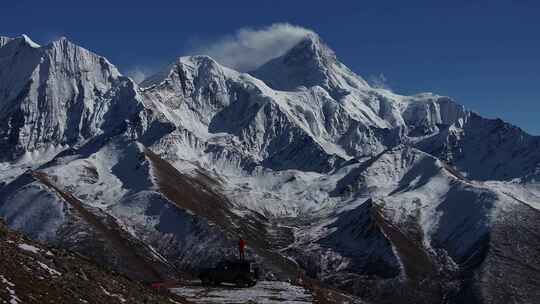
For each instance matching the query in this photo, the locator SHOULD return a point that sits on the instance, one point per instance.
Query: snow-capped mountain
(58, 95)
(361, 188)
(310, 63)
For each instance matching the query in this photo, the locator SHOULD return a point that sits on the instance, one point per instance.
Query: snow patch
(9, 287)
(113, 295)
(265, 292)
(29, 248)
(51, 271)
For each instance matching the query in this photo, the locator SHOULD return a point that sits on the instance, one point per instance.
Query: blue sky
(485, 54)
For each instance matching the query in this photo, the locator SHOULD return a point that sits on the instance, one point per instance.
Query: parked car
(240, 273)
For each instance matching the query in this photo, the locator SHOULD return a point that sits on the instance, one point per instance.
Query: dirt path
(270, 292)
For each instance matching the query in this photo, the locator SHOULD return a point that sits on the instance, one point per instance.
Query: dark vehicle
(240, 273)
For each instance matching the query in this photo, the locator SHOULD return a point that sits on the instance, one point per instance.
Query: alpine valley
(331, 181)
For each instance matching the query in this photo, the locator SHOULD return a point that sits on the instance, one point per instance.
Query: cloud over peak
(249, 48)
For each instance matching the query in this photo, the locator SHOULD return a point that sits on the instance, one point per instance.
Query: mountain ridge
(358, 187)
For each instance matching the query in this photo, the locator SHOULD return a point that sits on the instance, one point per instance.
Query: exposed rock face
(485, 149)
(58, 95)
(366, 190)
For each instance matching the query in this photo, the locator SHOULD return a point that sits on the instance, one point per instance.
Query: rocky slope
(33, 273)
(379, 194)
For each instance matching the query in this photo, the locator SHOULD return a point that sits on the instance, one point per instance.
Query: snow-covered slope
(58, 95)
(486, 149)
(362, 188)
(244, 124)
(309, 63)
(239, 120)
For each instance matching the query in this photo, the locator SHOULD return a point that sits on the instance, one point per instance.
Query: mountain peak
(309, 63)
(85, 96)
(64, 42)
(78, 57)
(62, 39)
(29, 41)
(16, 43)
(186, 64)
(311, 47)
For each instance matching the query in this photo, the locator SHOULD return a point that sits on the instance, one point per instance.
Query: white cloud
(249, 48)
(138, 74)
(379, 81)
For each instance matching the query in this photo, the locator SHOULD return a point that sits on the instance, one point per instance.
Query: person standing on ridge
(241, 247)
